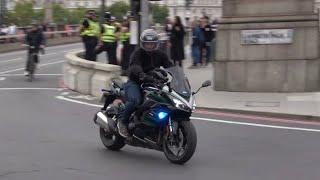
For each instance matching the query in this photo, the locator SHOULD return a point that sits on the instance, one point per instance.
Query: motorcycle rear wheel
(188, 140)
(111, 141)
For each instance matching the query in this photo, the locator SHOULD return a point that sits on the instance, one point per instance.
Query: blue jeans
(195, 50)
(207, 47)
(133, 96)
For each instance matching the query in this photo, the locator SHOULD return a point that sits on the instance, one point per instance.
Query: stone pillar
(268, 46)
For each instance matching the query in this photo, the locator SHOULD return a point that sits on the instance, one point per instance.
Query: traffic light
(188, 3)
(135, 7)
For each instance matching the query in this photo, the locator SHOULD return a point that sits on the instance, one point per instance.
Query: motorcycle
(162, 122)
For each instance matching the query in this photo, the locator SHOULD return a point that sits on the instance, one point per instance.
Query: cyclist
(35, 40)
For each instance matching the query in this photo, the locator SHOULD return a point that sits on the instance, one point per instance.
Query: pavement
(304, 104)
(43, 136)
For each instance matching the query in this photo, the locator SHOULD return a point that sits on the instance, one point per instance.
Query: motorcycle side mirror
(206, 84)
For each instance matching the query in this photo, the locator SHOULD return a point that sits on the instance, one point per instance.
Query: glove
(146, 78)
(159, 76)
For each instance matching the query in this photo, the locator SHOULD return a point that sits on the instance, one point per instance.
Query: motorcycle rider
(36, 39)
(143, 61)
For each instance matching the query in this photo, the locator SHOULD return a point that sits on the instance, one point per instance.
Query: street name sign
(266, 36)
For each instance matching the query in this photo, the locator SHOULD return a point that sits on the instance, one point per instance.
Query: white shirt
(12, 30)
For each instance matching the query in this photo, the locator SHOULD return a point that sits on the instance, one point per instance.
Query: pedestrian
(177, 41)
(44, 27)
(214, 28)
(12, 30)
(208, 36)
(90, 31)
(168, 26)
(34, 38)
(109, 39)
(128, 48)
(4, 30)
(197, 41)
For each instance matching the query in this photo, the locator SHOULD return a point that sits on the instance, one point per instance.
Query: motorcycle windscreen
(180, 82)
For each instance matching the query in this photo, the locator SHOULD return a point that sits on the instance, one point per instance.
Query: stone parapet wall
(268, 76)
(305, 43)
(250, 65)
(88, 77)
(245, 8)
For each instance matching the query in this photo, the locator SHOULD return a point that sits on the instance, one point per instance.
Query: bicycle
(31, 62)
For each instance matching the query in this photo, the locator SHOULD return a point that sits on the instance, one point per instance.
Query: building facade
(71, 4)
(317, 4)
(198, 8)
(211, 8)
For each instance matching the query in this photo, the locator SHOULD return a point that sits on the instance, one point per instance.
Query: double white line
(210, 120)
(41, 65)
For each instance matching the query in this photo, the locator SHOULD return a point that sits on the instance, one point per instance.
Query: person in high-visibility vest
(109, 38)
(127, 47)
(90, 31)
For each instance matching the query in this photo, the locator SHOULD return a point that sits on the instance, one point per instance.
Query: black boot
(123, 129)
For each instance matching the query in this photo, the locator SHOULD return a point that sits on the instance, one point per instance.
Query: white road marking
(70, 50)
(64, 46)
(11, 60)
(2, 78)
(13, 53)
(79, 102)
(47, 48)
(41, 65)
(9, 75)
(55, 89)
(210, 120)
(48, 54)
(256, 125)
(85, 97)
(65, 93)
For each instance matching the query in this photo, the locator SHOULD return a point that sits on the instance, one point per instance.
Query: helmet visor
(150, 46)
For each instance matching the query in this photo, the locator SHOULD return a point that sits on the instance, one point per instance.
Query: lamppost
(188, 13)
(3, 8)
(48, 11)
(103, 8)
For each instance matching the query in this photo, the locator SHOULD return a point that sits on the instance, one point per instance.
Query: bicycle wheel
(31, 66)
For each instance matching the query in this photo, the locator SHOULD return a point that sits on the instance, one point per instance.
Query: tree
(60, 14)
(159, 13)
(76, 15)
(119, 9)
(23, 13)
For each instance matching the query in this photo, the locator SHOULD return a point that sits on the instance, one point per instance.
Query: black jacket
(177, 42)
(35, 38)
(209, 34)
(142, 62)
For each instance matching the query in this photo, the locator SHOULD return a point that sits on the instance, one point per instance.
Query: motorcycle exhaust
(102, 121)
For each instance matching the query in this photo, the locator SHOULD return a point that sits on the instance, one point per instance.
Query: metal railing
(49, 35)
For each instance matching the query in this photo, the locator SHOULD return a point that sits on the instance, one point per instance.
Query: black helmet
(149, 40)
(107, 15)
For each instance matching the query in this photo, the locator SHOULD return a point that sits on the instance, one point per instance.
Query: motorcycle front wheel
(111, 141)
(181, 148)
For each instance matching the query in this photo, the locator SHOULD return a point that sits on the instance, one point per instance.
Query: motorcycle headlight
(179, 104)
